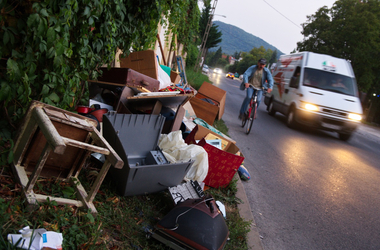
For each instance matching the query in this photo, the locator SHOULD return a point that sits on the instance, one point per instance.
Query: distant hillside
(235, 39)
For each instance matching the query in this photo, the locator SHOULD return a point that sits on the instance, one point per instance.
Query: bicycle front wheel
(244, 120)
(250, 120)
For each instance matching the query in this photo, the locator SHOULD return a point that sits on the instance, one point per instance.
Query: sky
(278, 22)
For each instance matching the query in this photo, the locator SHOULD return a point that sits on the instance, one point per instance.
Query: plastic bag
(176, 150)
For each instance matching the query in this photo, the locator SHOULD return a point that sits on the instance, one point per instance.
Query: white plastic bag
(176, 150)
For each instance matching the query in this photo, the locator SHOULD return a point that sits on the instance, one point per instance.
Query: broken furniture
(56, 143)
(209, 102)
(135, 137)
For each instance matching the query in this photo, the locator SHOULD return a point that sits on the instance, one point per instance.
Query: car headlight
(354, 117)
(311, 107)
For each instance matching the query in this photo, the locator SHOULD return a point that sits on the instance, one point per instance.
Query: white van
(316, 90)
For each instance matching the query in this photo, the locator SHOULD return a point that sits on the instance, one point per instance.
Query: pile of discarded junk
(149, 132)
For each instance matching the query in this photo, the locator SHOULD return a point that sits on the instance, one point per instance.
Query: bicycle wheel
(251, 119)
(244, 120)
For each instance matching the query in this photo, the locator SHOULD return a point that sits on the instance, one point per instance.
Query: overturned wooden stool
(56, 143)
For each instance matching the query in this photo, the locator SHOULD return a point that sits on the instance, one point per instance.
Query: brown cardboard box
(209, 111)
(175, 77)
(200, 132)
(144, 62)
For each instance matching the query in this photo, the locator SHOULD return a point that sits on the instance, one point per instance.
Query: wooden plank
(85, 146)
(87, 154)
(50, 132)
(81, 159)
(82, 195)
(178, 119)
(108, 83)
(59, 200)
(24, 140)
(157, 108)
(21, 175)
(113, 157)
(68, 117)
(102, 174)
(37, 170)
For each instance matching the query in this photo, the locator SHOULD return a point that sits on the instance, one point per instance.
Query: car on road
(217, 71)
(230, 75)
(205, 69)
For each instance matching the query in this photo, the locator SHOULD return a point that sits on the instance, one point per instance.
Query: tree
(214, 36)
(273, 57)
(350, 30)
(215, 57)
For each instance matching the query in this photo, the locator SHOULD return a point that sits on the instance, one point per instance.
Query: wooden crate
(56, 143)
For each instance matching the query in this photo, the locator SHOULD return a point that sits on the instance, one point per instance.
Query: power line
(283, 15)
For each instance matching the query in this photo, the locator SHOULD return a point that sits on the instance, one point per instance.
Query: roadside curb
(253, 237)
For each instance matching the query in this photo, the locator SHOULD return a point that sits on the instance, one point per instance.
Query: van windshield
(329, 81)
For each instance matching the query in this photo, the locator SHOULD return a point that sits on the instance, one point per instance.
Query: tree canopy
(350, 30)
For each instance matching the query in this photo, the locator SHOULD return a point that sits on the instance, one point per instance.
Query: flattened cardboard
(144, 62)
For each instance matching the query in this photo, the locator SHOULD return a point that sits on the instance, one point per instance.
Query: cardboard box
(209, 111)
(144, 62)
(200, 132)
(175, 77)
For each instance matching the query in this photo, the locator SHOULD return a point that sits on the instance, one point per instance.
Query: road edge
(253, 236)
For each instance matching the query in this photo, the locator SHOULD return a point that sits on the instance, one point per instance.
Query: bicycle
(250, 114)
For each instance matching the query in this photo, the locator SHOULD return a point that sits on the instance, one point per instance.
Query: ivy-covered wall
(48, 49)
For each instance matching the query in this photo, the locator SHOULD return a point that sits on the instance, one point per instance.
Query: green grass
(121, 223)
(195, 79)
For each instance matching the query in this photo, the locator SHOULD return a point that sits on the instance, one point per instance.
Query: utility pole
(202, 51)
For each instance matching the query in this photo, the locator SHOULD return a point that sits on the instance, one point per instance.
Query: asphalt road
(308, 189)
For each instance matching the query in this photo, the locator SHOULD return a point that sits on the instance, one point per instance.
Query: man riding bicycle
(255, 76)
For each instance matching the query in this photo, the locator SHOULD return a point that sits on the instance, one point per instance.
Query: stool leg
(37, 170)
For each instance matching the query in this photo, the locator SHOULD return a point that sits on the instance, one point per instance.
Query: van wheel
(271, 110)
(344, 136)
(291, 119)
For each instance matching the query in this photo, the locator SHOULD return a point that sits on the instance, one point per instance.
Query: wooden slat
(50, 132)
(21, 175)
(85, 146)
(37, 170)
(82, 195)
(59, 200)
(23, 141)
(113, 157)
(102, 174)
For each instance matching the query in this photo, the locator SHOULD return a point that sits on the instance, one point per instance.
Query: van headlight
(311, 107)
(354, 117)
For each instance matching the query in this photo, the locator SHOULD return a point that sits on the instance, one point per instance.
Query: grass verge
(121, 222)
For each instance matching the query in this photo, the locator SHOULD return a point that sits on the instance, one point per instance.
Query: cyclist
(255, 76)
